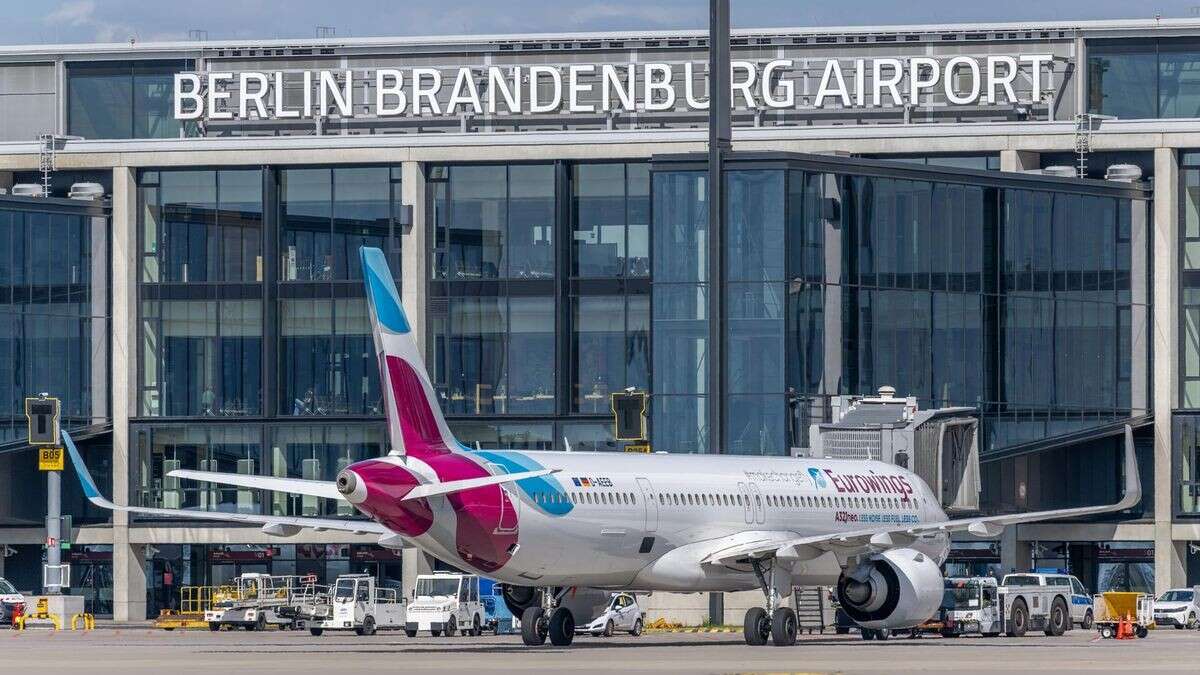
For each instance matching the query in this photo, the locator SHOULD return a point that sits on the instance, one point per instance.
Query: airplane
(545, 523)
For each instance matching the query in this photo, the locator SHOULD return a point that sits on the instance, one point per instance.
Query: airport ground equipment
(445, 602)
(254, 602)
(941, 445)
(194, 601)
(622, 614)
(979, 605)
(1123, 614)
(815, 608)
(1078, 600)
(40, 616)
(357, 604)
(496, 615)
(1178, 607)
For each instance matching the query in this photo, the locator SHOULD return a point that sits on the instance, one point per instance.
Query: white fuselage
(645, 522)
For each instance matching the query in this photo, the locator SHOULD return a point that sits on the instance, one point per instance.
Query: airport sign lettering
(603, 88)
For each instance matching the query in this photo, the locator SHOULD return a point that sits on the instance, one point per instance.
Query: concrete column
(1169, 567)
(831, 378)
(412, 563)
(129, 577)
(414, 257)
(1015, 555)
(1020, 160)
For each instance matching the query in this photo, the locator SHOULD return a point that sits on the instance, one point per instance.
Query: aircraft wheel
(562, 627)
(882, 634)
(783, 627)
(533, 626)
(757, 626)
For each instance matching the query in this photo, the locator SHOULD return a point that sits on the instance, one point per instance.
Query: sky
(71, 21)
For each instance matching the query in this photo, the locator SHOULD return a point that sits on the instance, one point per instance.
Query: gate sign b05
(42, 414)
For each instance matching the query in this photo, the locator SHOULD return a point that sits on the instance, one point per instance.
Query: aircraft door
(744, 496)
(650, 504)
(760, 513)
(509, 508)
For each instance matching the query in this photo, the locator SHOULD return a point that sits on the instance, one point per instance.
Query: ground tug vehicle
(445, 602)
(255, 601)
(357, 604)
(978, 605)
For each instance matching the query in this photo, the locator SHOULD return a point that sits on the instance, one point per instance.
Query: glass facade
(1144, 79)
(1028, 303)
(54, 313)
(122, 99)
(252, 307)
(539, 297)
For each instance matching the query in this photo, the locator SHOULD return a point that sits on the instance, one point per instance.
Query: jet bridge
(940, 445)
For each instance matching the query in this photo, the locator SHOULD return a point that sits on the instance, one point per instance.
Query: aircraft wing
(275, 525)
(873, 540)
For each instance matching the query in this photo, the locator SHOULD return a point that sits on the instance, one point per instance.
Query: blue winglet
(381, 290)
(85, 479)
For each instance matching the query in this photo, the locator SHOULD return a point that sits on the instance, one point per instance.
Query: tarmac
(139, 649)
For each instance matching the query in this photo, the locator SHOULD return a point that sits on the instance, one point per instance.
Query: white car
(10, 599)
(1179, 607)
(621, 614)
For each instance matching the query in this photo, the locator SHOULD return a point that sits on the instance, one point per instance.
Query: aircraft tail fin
(416, 425)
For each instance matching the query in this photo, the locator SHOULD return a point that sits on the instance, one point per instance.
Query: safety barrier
(89, 621)
(41, 613)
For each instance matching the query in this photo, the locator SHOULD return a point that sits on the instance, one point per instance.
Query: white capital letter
(952, 94)
(879, 82)
(743, 86)
(689, 88)
(498, 84)
(652, 85)
(610, 81)
(382, 90)
(574, 88)
(192, 94)
(555, 101)
(833, 71)
(1035, 66)
(464, 80)
(916, 83)
(341, 99)
(428, 93)
(788, 86)
(257, 96)
(217, 93)
(1006, 80)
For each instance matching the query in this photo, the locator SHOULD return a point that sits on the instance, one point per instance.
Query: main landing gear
(548, 620)
(775, 623)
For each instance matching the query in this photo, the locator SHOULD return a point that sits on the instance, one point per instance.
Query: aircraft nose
(351, 487)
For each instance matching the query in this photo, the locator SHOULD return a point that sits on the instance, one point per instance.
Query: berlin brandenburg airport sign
(635, 87)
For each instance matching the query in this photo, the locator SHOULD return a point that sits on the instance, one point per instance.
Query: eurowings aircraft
(544, 523)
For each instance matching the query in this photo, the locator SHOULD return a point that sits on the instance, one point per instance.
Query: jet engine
(899, 588)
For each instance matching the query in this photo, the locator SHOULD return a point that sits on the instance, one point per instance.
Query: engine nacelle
(900, 588)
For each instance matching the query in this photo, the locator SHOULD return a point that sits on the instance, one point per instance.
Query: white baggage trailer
(355, 603)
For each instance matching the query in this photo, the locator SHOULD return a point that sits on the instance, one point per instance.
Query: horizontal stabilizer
(296, 486)
(433, 489)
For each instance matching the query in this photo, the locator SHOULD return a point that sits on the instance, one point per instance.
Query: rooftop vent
(27, 190)
(1126, 173)
(1063, 171)
(87, 191)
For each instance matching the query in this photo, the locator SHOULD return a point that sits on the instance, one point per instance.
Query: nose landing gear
(775, 623)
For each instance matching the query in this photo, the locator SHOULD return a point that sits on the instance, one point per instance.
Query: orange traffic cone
(1125, 629)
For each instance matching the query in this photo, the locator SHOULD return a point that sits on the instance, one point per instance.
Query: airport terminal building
(1002, 217)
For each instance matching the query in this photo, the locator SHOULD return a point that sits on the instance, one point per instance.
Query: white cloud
(73, 13)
